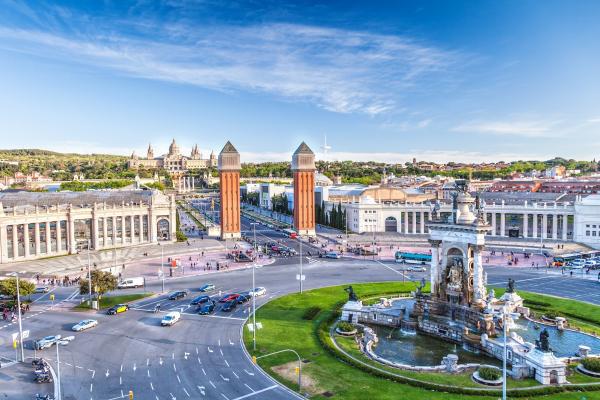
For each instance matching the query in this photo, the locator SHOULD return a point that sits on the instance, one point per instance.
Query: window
(594, 233)
(587, 233)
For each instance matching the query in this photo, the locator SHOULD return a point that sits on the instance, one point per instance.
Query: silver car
(47, 342)
(85, 324)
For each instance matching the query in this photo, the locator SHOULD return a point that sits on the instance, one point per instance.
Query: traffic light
(254, 359)
(131, 395)
(297, 370)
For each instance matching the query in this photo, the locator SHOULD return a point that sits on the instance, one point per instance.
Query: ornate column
(303, 169)
(406, 213)
(105, 231)
(554, 226)
(422, 228)
(71, 231)
(502, 224)
(478, 286)
(15, 242)
(123, 232)
(535, 226)
(565, 226)
(36, 237)
(414, 222)
(435, 265)
(544, 226)
(494, 224)
(525, 225)
(3, 244)
(94, 232)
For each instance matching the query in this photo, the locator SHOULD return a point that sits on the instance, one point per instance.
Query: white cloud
(526, 128)
(338, 70)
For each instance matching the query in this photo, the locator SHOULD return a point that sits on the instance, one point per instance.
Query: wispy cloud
(526, 128)
(338, 70)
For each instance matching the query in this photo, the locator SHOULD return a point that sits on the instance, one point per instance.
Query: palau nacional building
(39, 224)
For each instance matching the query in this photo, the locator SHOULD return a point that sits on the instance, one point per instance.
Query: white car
(46, 342)
(416, 268)
(171, 318)
(85, 324)
(259, 291)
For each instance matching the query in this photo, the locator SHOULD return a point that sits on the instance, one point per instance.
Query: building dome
(173, 149)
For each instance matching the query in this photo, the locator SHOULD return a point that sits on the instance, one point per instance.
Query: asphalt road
(202, 356)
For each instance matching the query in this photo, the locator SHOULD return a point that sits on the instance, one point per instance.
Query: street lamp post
(162, 272)
(89, 274)
(300, 240)
(59, 391)
(505, 315)
(16, 274)
(253, 291)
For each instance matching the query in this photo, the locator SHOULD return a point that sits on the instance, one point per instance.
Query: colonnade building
(35, 225)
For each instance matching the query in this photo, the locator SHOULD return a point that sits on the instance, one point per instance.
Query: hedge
(311, 313)
(591, 364)
(489, 374)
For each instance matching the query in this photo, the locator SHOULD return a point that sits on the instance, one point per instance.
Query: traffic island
(335, 364)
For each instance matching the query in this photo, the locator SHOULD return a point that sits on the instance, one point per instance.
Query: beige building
(41, 224)
(174, 162)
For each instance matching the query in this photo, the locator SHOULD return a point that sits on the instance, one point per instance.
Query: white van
(131, 283)
(170, 318)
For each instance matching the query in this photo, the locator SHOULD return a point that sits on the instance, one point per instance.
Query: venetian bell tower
(229, 176)
(303, 169)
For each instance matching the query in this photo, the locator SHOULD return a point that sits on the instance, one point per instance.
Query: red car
(229, 297)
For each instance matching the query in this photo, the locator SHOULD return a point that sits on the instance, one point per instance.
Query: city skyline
(427, 80)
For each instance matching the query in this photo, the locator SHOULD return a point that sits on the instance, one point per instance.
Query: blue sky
(387, 81)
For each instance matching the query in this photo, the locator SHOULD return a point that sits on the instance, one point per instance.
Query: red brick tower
(303, 168)
(229, 175)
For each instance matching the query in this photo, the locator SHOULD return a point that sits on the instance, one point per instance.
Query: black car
(229, 306)
(244, 297)
(200, 299)
(207, 308)
(180, 294)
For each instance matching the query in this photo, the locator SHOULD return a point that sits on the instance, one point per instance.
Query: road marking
(120, 380)
(225, 379)
(236, 375)
(147, 361)
(221, 352)
(178, 379)
(199, 362)
(226, 363)
(107, 373)
(201, 389)
(151, 386)
(160, 360)
(122, 395)
(249, 373)
(209, 350)
(91, 387)
(174, 367)
(148, 372)
(93, 372)
(204, 372)
(231, 343)
(245, 384)
(78, 367)
(172, 397)
(226, 398)
(256, 392)
(392, 269)
(186, 392)
(121, 367)
(134, 367)
(219, 341)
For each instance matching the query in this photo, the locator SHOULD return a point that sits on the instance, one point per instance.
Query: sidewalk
(17, 383)
(77, 263)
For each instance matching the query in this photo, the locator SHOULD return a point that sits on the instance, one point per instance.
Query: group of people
(12, 312)
(56, 281)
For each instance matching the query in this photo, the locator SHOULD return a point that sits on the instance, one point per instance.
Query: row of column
(553, 219)
(410, 225)
(25, 240)
(186, 184)
(134, 220)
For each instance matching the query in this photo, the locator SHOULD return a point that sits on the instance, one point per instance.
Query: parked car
(131, 283)
(207, 288)
(42, 289)
(180, 294)
(85, 324)
(229, 306)
(46, 342)
(332, 254)
(200, 299)
(118, 309)
(207, 308)
(229, 297)
(171, 318)
(258, 291)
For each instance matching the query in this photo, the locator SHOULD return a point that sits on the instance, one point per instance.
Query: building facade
(174, 162)
(36, 225)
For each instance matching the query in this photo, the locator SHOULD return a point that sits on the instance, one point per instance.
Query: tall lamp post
(253, 290)
(16, 275)
(162, 272)
(300, 240)
(505, 321)
(89, 273)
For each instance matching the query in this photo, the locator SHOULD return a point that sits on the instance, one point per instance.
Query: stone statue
(351, 295)
(462, 185)
(421, 286)
(491, 296)
(511, 286)
(544, 343)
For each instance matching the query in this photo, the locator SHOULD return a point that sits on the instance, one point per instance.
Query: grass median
(109, 301)
(323, 375)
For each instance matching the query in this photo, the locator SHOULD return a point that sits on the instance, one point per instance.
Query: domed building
(174, 162)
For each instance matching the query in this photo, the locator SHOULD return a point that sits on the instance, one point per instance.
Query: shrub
(489, 374)
(311, 313)
(180, 236)
(591, 364)
(345, 326)
(551, 314)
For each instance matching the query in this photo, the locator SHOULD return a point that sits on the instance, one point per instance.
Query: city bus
(412, 258)
(290, 233)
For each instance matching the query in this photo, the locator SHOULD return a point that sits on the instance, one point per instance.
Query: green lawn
(109, 301)
(284, 328)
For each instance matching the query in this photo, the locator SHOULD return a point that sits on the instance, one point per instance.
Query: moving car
(171, 318)
(229, 297)
(118, 309)
(180, 294)
(244, 297)
(42, 289)
(332, 254)
(85, 324)
(207, 308)
(259, 291)
(200, 299)
(46, 342)
(416, 268)
(207, 288)
(229, 306)
(131, 283)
